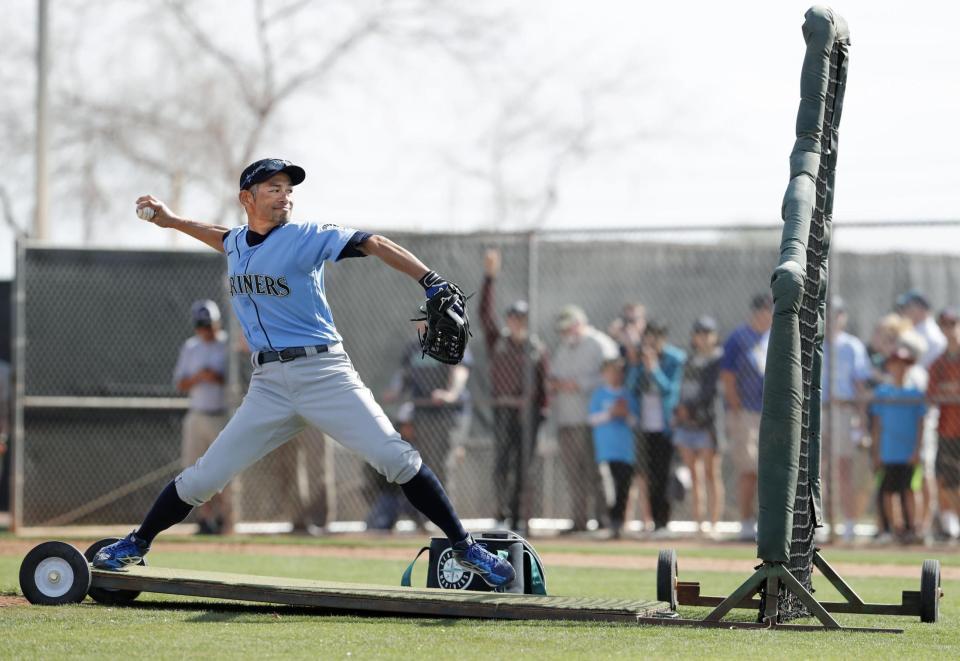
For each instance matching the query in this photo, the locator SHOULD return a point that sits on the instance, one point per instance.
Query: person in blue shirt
(302, 375)
(741, 374)
(654, 377)
(898, 411)
(613, 413)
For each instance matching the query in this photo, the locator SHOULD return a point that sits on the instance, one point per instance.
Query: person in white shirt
(575, 372)
(201, 371)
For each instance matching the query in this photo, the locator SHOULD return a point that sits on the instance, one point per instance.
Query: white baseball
(145, 213)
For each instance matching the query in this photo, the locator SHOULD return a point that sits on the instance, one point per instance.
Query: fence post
(529, 410)
(19, 346)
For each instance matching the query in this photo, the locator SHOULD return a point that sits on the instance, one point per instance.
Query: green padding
(779, 451)
(780, 426)
(797, 213)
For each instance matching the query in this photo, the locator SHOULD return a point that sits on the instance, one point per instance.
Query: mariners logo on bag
(450, 574)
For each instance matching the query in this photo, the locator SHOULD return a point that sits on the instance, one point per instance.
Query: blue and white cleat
(494, 570)
(128, 551)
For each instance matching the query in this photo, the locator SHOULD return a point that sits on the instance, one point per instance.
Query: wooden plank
(374, 598)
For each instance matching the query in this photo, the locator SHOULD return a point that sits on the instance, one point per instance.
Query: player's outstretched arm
(154, 211)
(394, 255)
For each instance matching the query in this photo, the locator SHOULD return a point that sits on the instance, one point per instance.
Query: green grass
(167, 627)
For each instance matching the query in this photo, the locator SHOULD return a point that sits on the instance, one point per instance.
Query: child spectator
(614, 412)
(654, 376)
(944, 391)
(898, 412)
(695, 433)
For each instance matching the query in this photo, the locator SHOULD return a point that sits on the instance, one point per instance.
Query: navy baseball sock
(167, 510)
(426, 493)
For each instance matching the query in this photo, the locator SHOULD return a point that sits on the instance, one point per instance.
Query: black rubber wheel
(667, 577)
(103, 595)
(930, 591)
(53, 574)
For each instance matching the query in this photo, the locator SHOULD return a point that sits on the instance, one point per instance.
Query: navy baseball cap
(912, 296)
(761, 301)
(705, 324)
(267, 167)
(204, 312)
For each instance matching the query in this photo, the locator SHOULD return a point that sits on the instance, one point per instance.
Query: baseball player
(302, 375)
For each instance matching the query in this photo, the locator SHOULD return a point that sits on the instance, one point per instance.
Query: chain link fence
(98, 420)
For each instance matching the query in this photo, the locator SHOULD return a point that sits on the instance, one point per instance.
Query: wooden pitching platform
(375, 599)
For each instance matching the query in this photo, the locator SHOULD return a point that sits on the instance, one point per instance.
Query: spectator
(518, 368)
(892, 331)
(575, 373)
(439, 398)
(944, 391)
(200, 371)
(627, 329)
(656, 371)
(914, 306)
(695, 433)
(930, 344)
(843, 389)
(741, 373)
(883, 342)
(614, 412)
(898, 411)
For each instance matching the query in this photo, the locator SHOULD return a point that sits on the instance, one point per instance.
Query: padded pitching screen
(788, 471)
(812, 308)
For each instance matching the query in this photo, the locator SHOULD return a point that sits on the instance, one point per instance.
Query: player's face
(274, 198)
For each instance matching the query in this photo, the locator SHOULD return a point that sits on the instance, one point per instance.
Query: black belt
(288, 354)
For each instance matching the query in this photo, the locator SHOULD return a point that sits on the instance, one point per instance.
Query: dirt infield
(550, 558)
(6, 601)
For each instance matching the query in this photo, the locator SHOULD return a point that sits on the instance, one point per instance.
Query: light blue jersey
(276, 282)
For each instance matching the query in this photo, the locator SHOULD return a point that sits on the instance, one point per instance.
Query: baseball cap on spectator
(762, 301)
(204, 312)
(260, 171)
(948, 316)
(569, 316)
(838, 305)
(705, 324)
(518, 309)
(912, 296)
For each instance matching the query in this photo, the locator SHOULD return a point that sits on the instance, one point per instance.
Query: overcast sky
(718, 96)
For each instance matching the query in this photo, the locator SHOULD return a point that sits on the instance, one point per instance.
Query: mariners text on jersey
(257, 283)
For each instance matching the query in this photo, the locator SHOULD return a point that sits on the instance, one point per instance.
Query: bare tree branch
(203, 41)
(9, 216)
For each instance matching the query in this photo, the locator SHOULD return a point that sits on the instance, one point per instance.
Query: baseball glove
(448, 326)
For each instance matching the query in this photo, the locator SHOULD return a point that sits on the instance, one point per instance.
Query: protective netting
(97, 449)
(812, 315)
